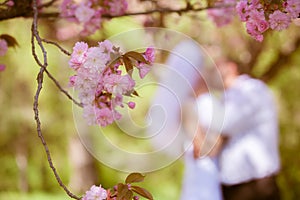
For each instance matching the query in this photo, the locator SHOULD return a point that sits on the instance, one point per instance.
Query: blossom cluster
(95, 193)
(3, 50)
(88, 13)
(100, 81)
(259, 16)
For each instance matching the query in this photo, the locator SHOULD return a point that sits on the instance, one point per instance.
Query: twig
(58, 46)
(48, 4)
(187, 9)
(52, 77)
(61, 89)
(40, 78)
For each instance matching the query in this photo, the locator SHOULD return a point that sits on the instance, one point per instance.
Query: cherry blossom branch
(58, 46)
(52, 77)
(61, 89)
(40, 78)
(4, 15)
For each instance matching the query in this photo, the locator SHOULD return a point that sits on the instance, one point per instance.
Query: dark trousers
(260, 189)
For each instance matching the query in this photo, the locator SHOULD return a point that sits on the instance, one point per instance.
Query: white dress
(201, 179)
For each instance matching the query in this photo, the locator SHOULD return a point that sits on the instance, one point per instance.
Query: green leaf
(128, 65)
(136, 56)
(11, 41)
(141, 191)
(134, 178)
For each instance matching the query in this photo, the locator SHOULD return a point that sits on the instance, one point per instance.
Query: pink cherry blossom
(293, 8)
(91, 26)
(262, 26)
(100, 86)
(67, 9)
(78, 56)
(117, 7)
(3, 47)
(96, 60)
(143, 70)
(95, 193)
(84, 13)
(242, 9)
(279, 20)
(105, 116)
(10, 3)
(2, 67)
(72, 81)
(124, 85)
(222, 16)
(131, 105)
(106, 46)
(252, 30)
(150, 54)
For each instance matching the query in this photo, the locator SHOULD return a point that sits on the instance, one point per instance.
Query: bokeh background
(24, 171)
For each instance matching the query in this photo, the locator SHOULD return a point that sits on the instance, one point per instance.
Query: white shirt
(250, 122)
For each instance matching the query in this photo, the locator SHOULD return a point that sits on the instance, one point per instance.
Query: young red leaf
(135, 93)
(136, 56)
(11, 41)
(128, 65)
(134, 178)
(122, 191)
(141, 191)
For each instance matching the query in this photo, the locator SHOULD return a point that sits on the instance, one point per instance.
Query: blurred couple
(229, 136)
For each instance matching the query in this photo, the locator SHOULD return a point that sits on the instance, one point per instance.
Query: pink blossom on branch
(88, 13)
(223, 15)
(95, 193)
(292, 7)
(100, 82)
(279, 20)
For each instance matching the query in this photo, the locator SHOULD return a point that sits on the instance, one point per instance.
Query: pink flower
(104, 116)
(117, 7)
(95, 193)
(106, 46)
(131, 105)
(262, 26)
(222, 16)
(3, 47)
(117, 101)
(72, 81)
(293, 8)
(10, 3)
(95, 59)
(67, 8)
(150, 54)
(84, 13)
(78, 56)
(124, 85)
(279, 20)
(252, 30)
(143, 70)
(91, 26)
(2, 67)
(111, 81)
(242, 10)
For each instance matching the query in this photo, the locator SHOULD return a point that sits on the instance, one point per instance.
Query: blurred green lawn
(31, 196)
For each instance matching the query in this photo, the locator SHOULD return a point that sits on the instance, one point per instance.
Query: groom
(249, 161)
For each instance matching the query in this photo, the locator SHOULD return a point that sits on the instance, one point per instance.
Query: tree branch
(40, 78)
(19, 12)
